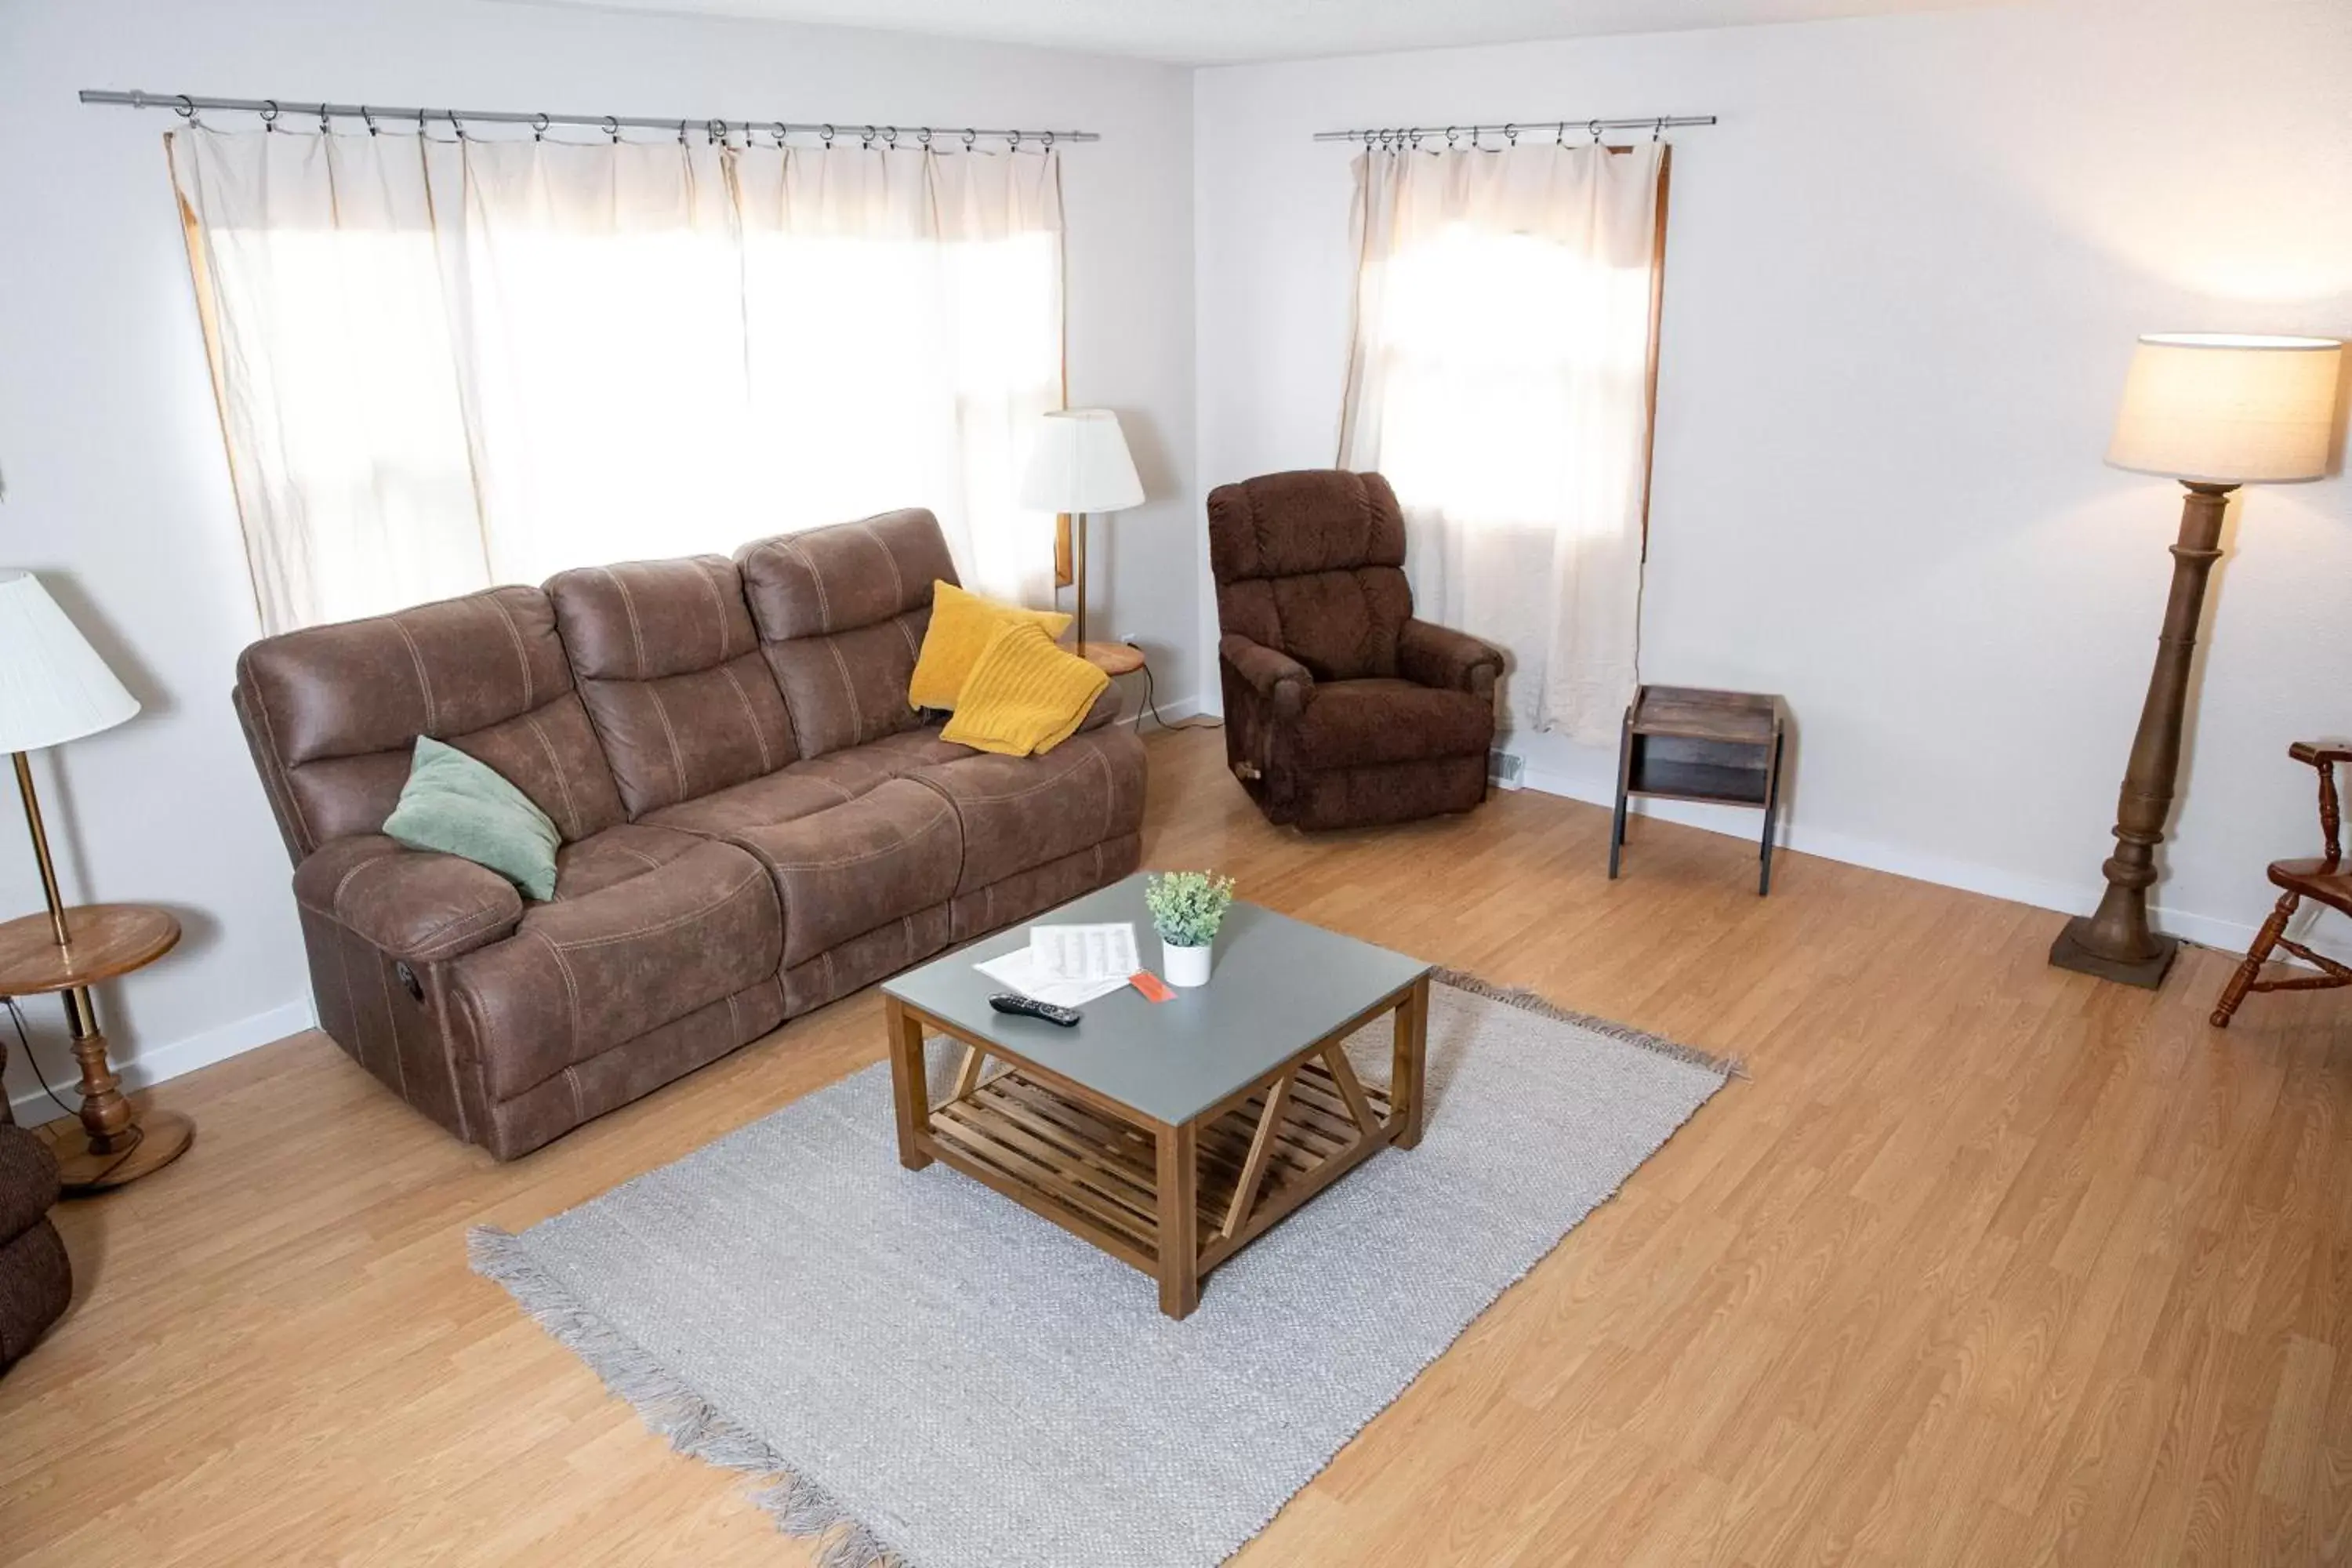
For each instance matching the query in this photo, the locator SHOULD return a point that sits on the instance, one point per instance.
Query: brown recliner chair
(1341, 710)
(35, 1281)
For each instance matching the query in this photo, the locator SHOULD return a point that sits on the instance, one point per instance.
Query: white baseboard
(2067, 898)
(158, 1063)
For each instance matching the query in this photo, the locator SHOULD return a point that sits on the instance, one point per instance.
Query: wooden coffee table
(1169, 1135)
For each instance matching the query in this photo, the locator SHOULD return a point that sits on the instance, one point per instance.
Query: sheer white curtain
(1499, 377)
(443, 363)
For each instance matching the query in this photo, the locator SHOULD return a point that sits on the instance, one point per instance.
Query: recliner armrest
(1430, 655)
(1280, 681)
(408, 903)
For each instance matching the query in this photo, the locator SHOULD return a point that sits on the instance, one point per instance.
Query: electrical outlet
(1131, 639)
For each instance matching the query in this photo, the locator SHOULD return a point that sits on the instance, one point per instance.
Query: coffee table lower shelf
(1096, 1176)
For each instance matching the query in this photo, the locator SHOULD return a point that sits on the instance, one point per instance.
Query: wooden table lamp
(2214, 411)
(54, 688)
(1079, 465)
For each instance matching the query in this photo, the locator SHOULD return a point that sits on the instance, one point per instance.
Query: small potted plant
(1187, 908)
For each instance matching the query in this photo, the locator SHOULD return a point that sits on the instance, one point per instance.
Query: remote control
(1029, 1006)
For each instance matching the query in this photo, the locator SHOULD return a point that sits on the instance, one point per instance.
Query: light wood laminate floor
(1985, 1263)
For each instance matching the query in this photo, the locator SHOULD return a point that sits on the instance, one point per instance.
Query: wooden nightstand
(1683, 743)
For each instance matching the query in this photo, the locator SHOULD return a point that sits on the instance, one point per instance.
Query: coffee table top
(1277, 986)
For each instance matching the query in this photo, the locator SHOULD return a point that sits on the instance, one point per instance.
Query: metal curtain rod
(272, 109)
(1656, 124)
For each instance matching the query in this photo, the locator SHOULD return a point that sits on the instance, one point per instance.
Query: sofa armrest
(408, 903)
(1280, 681)
(1105, 709)
(1438, 656)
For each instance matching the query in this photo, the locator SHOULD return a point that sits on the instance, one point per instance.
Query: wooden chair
(2327, 880)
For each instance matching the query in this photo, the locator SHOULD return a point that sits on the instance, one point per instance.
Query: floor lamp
(1081, 464)
(2214, 411)
(54, 688)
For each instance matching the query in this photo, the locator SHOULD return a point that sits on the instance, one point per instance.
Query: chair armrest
(1280, 681)
(408, 903)
(1438, 656)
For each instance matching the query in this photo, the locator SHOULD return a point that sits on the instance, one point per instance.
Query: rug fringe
(1532, 1002)
(688, 1422)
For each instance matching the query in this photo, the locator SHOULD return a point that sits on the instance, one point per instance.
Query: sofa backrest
(841, 612)
(669, 668)
(1311, 563)
(332, 713)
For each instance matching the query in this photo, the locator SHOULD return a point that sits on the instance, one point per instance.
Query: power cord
(25, 1040)
(1152, 703)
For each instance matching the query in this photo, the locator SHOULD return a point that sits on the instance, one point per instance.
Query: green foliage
(1187, 907)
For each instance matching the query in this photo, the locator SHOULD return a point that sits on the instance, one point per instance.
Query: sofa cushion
(335, 710)
(809, 786)
(841, 614)
(1351, 723)
(628, 849)
(850, 869)
(28, 1181)
(670, 670)
(1020, 812)
(591, 970)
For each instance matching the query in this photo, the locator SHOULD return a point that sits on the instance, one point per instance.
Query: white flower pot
(1184, 965)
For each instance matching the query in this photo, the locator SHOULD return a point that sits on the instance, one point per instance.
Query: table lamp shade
(53, 685)
(2225, 409)
(1080, 463)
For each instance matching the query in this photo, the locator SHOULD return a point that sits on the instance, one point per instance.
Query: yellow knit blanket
(1026, 694)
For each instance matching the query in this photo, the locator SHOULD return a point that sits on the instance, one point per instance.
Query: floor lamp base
(159, 1138)
(2070, 952)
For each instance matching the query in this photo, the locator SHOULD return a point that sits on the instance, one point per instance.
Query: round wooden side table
(1113, 659)
(104, 941)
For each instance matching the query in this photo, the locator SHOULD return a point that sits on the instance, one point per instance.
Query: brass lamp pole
(2215, 411)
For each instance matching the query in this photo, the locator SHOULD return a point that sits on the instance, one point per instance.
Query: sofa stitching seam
(563, 784)
(424, 685)
(720, 902)
(522, 657)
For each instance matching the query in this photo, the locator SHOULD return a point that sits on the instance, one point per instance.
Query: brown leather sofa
(35, 1280)
(1341, 710)
(754, 821)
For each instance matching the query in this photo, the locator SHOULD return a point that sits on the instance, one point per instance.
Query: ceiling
(1204, 32)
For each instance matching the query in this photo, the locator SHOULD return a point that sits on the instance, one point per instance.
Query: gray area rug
(926, 1373)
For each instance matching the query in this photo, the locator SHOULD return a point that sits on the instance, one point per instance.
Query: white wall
(1903, 278)
(117, 490)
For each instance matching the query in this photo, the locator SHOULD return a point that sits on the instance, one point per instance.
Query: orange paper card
(1151, 984)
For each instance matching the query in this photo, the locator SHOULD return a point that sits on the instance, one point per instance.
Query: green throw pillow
(458, 806)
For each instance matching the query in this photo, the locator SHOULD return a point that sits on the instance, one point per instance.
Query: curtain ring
(1450, 132)
(866, 140)
(890, 136)
(1511, 134)
(324, 128)
(613, 130)
(1047, 141)
(824, 132)
(714, 133)
(186, 108)
(970, 138)
(777, 129)
(268, 114)
(369, 115)
(1594, 127)
(1658, 130)
(923, 135)
(681, 132)
(455, 123)
(538, 124)
(1013, 140)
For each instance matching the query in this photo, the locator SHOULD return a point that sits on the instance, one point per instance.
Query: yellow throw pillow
(1025, 695)
(961, 624)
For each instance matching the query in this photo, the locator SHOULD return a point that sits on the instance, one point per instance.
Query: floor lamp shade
(53, 685)
(1080, 463)
(2218, 408)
